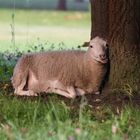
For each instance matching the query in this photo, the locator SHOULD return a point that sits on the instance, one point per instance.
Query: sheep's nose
(102, 56)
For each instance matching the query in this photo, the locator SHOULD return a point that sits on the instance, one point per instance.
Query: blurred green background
(24, 24)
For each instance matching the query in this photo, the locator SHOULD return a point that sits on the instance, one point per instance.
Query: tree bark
(99, 18)
(119, 22)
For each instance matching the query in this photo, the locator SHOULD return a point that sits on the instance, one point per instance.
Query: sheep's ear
(86, 44)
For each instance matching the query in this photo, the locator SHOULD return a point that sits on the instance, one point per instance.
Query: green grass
(36, 119)
(46, 18)
(71, 28)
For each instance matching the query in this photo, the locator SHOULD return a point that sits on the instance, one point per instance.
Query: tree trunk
(61, 5)
(119, 22)
(99, 18)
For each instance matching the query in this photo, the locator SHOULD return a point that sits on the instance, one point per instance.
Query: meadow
(110, 116)
(31, 27)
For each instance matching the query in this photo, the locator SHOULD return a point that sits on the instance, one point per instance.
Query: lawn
(113, 116)
(55, 118)
(30, 27)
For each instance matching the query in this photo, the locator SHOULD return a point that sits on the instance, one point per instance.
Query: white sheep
(67, 73)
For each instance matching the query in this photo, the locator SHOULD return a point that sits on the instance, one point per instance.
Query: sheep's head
(98, 50)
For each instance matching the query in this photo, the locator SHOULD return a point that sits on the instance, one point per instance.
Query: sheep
(67, 73)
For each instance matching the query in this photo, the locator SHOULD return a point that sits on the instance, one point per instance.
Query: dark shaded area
(116, 100)
(106, 77)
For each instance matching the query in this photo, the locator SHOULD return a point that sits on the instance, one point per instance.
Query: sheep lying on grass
(67, 73)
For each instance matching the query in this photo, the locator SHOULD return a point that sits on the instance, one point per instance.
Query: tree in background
(61, 5)
(119, 22)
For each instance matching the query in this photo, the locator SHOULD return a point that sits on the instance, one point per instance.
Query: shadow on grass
(115, 100)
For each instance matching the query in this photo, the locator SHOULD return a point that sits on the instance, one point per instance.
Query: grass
(46, 18)
(51, 117)
(36, 119)
(32, 26)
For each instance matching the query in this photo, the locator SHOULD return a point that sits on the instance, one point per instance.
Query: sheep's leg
(69, 92)
(57, 87)
(80, 92)
(19, 90)
(72, 92)
(59, 92)
(25, 93)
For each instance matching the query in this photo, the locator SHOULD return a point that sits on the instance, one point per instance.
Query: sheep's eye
(91, 46)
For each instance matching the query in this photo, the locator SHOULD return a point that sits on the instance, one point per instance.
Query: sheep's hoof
(31, 93)
(25, 93)
(72, 97)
